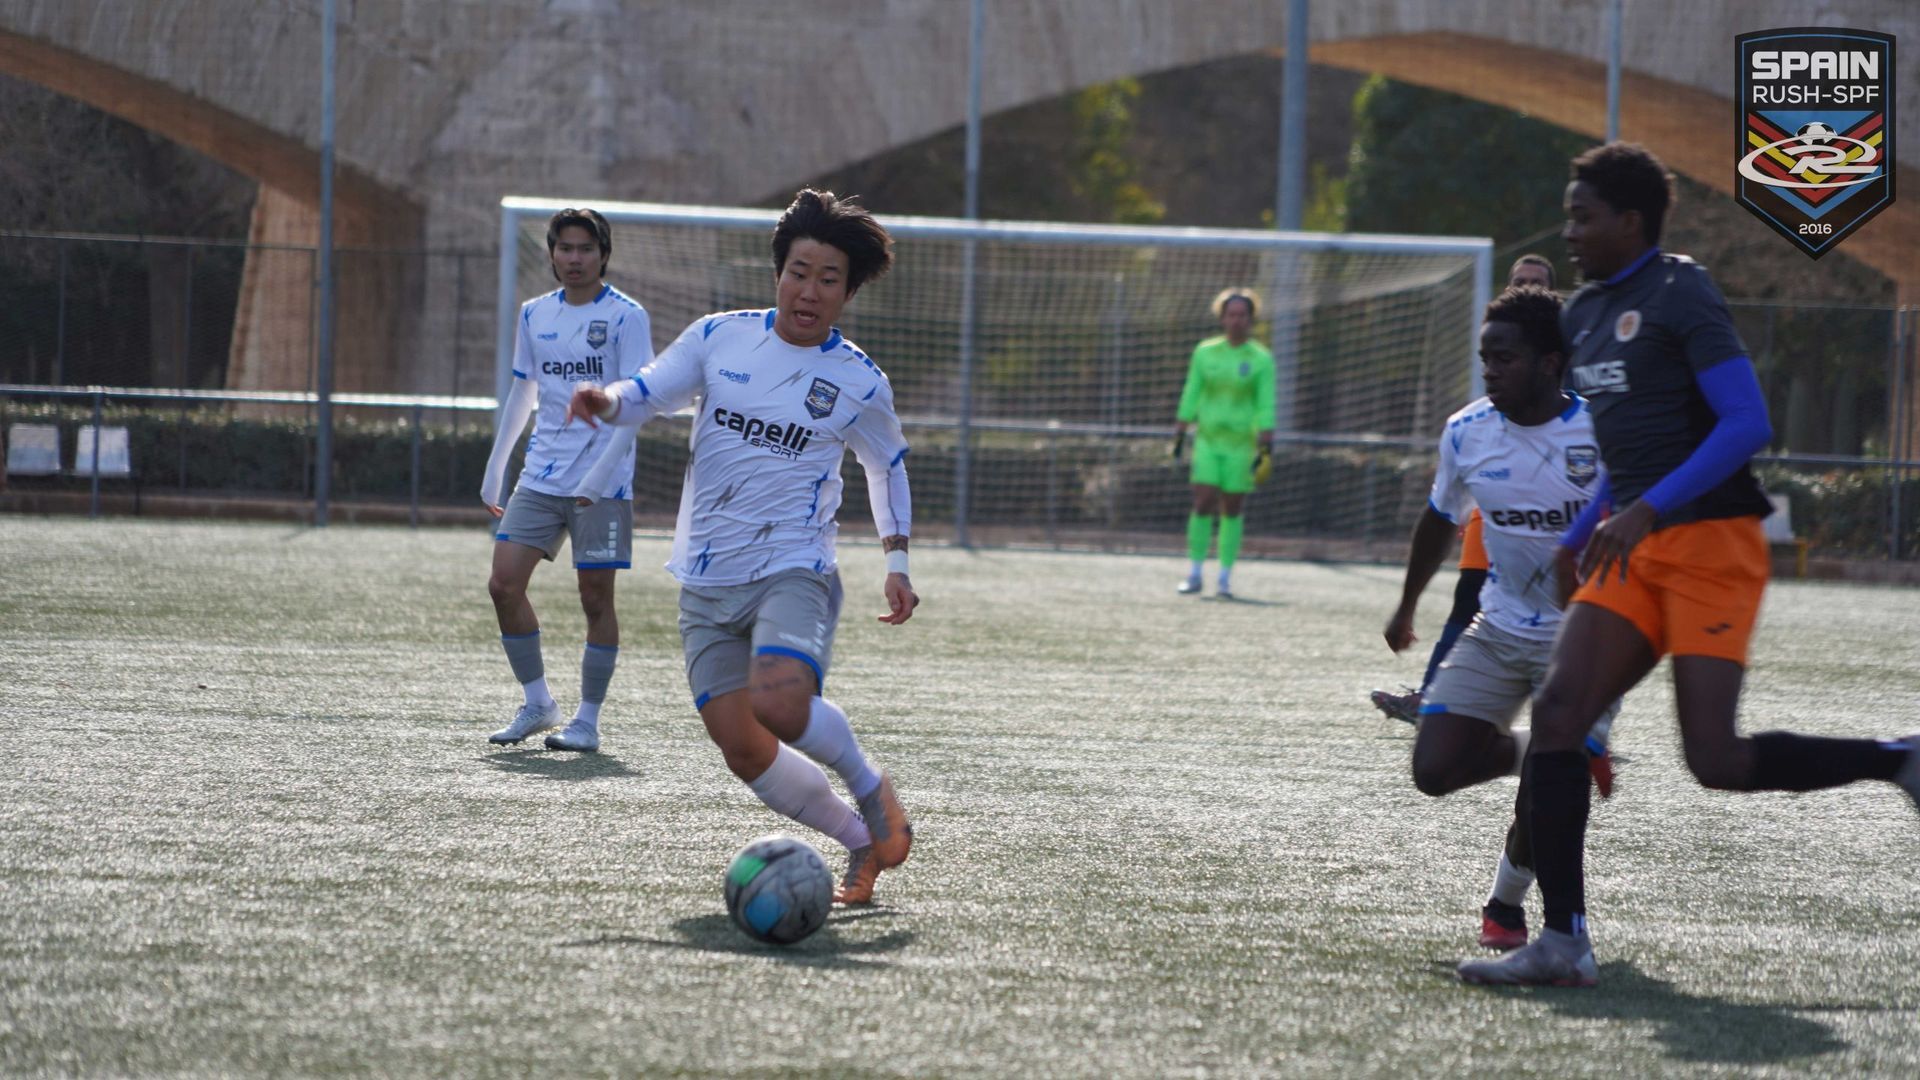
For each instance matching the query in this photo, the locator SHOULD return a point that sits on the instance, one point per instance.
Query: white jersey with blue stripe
(561, 344)
(1530, 483)
(773, 424)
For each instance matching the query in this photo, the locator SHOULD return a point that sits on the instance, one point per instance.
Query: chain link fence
(209, 351)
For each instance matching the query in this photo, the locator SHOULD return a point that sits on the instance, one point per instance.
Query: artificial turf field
(251, 824)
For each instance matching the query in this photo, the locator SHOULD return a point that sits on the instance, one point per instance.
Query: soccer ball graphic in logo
(779, 890)
(1815, 134)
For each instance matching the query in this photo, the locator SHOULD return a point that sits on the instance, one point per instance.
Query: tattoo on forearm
(894, 543)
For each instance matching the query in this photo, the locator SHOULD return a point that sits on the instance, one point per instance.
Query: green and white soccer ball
(779, 890)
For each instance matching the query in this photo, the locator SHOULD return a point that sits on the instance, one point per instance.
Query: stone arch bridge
(446, 105)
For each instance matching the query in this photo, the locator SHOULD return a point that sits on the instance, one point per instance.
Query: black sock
(1557, 783)
(1784, 761)
(1520, 833)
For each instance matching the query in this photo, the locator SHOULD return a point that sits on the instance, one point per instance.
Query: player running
(1528, 269)
(1524, 456)
(1680, 566)
(1228, 398)
(584, 331)
(781, 398)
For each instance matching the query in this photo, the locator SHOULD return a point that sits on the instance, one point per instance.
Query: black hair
(1626, 176)
(1236, 292)
(841, 223)
(1536, 311)
(1531, 259)
(589, 220)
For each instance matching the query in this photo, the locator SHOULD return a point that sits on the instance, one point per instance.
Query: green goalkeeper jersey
(1229, 392)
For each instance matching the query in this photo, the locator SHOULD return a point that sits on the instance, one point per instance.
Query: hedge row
(1067, 482)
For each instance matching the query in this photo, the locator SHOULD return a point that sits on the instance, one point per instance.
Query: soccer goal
(1038, 366)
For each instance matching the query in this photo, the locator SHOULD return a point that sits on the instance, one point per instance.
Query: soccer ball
(1815, 134)
(779, 890)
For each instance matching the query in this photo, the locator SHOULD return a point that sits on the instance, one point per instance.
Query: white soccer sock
(537, 692)
(1198, 569)
(829, 740)
(1510, 883)
(796, 787)
(1224, 575)
(1521, 737)
(589, 713)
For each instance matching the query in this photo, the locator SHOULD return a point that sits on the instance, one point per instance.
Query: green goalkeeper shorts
(1228, 467)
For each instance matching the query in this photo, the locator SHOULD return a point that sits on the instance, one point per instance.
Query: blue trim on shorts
(1430, 710)
(701, 701)
(603, 566)
(819, 677)
(501, 536)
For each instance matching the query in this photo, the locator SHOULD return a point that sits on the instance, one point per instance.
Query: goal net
(1037, 367)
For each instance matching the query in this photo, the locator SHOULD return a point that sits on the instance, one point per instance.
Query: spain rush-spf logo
(1813, 124)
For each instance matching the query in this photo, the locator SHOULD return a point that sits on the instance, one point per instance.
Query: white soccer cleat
(1554, 959)
(1190, 587)
(1909, 775)
(530, 720)
(578, 737)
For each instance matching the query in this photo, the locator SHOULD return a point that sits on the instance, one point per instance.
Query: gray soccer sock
(523, 652)
(596, 670)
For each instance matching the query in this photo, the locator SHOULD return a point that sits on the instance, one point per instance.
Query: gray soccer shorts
(602, 534)
(723, 627)
(1490, 674)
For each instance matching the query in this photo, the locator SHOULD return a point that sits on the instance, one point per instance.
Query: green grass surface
(251, 823)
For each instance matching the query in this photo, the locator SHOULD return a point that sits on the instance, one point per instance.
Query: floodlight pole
(969, 300)
(323, 458)
(1288, 213)
(1613, 69)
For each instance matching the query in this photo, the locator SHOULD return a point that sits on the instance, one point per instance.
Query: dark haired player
(782, 397)
(1528, 269)
(1679, 567)
(586, 331)
(1524, 456)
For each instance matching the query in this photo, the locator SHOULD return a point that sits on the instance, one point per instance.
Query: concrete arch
(270, 348)
(447, 105)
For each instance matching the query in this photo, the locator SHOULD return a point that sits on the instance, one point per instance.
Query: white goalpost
(1051, 420)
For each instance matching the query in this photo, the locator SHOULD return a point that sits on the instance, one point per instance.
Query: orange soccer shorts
(1473, 543)
(1692, 589)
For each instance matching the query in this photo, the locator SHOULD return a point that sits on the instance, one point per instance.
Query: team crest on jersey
(820, 398)
(1813, 128)
(1626, 326)
(596, 333)
(1246, 369)
(1583, 464)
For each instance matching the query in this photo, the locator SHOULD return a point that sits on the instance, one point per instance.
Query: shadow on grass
(1695, 1027)
(558, 765)
(825, 949)
(1241, 601)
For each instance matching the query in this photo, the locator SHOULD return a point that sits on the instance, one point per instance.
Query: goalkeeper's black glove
(1179, 444)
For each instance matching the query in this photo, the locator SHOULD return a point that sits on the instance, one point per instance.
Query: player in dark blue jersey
(1679, 567)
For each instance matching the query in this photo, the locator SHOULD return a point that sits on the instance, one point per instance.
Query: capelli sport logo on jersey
(1538, 520)
(782, 440)
(1813, 130)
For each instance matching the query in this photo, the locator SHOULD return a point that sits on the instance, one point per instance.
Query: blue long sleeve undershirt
(1733, 393)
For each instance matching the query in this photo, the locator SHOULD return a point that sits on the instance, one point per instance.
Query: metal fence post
(1115, 342)
(99, 408)
(413, 502)
(60, 323)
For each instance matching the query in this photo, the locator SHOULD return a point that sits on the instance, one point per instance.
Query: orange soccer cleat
(887, 824)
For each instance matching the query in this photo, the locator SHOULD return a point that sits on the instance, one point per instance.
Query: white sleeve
(522, 399)
(881, 448)
(1449, 496)
(666, 385)
(636, 344)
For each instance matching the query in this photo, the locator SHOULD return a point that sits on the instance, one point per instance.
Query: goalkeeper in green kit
(1228, 400)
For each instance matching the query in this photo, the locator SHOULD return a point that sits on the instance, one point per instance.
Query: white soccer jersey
(1530, 483)
(773, 425)
(560, 344)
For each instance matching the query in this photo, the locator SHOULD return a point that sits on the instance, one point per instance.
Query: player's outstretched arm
(1432, 536)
